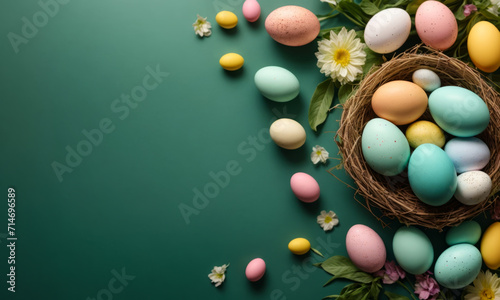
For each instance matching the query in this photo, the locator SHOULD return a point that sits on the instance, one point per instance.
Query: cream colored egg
(287, 133)
(387, 30)
(473, 187)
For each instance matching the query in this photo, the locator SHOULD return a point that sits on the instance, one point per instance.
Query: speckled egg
(458, 266)
(473, 187)
(424, 132)
(292, 25)
(413, 250)
(365, 248)
(387, 30)
(467, 232)
(436, 25)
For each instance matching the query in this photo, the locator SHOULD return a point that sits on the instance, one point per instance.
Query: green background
(119, 207)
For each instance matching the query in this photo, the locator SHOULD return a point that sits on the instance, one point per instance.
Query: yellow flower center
(328, 219)
(219, 275)
(318, 153)
(487, 294)
(342, 57)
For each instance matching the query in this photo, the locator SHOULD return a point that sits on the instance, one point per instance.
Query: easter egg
(292, 25)
(400, 102)
(490, 246)
(365, 248)
(436, 25)
(473, 187)
(413, 250)
(255, 269)
(458, 111)
(299, 246)
(483, 43)
(385, 147)
(426, 79)
(432, 175)
(231, 61)
(467, 154)
(251, 10)
(458, 266)
(305, 187)
(287, 133)
(387, 30)
(468, 232)
(226, 19)
(424, 132)
(277, 83)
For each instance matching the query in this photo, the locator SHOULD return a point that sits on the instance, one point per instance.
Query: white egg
(387, 30)
(426, 79)
(473, 187)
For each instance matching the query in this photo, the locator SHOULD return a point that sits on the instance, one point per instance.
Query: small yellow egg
(490, 246)
(226, 19)
(299, 246)
(424, 132)
(483, 44)
(231, 61)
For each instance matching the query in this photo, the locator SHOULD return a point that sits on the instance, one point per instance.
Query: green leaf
(320, 103)
(316, 251)
(413, 6)
(375, 290)
(342, 267)
(459, 13)
(481, 4)
(399, 4)
(369, 7)
(372, 59)
(393, 296)
(344, 92)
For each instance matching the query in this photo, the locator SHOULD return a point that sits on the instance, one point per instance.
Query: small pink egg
(251, 10)
(255, 269)
(436, 25)
(305, 187)
(292, 25)
(365, 248)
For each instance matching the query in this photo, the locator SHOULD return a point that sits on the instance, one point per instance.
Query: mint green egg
(413, 250)
(432, 175)
(459, 111)
(385, 147)
(277, 83)
(468, 232)
(458, 266)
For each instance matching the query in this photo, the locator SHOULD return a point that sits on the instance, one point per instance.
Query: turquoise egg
(432, 175)
(468, 232)
(458, 111)
(277, 83)
(413, 250)
(385, 147)
(458, 266)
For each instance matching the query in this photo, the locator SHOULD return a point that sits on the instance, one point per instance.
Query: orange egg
(400, 102)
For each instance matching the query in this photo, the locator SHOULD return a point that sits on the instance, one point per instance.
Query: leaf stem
(406, 288)
(328, 17)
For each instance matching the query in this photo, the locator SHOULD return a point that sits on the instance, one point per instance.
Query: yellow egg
(490, 246)
(483, 44)
(299, 246)
(226, 19)
(231, 61)
(424, 132)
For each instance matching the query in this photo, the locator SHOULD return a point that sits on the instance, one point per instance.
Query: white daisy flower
(330, 1)
(341, 57)
(494, 8)
(485, 286)
(319, 154)
(218, 274)
(327, 220)
(202, 27)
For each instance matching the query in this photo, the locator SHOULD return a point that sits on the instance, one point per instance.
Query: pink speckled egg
(365, 248)
(255, 269)
(436, 25)
(292, 25)
(305, 187)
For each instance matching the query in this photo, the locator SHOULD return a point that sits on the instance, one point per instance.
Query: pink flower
(468, 9)
(391, 274)
(426, 287)
(495, 211)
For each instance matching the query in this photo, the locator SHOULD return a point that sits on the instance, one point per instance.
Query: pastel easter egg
(473, 187)
(490, 246)
(458, 266)
(458, 111)
(292, 25)
(468, 232)
(251, 10)
(483, 44)
(385, 147)
(231, 61)
(399, 101)
(436, 25)
(277, 83)
(432, 175)
(468, 154)
(426, 79)
(387, 30)
(365, 248)
(424, 132)
(226, 19)
(413, 250)
(305, 187)
(287, 133)
(255, 269)
(299, 246)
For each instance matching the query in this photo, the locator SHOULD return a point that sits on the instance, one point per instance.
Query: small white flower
(334, 2)
(218, 274)
(341, 57)
(319, 154)
(202, 27)
(327, 220)
(494, 8)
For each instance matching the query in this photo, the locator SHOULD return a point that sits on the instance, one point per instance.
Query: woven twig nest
(393, 195)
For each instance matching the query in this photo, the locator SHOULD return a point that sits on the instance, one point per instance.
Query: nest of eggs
(393, 195)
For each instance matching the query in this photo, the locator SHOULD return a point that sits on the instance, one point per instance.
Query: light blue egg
(459, 111)
(277, 83)
(385, 147)
(413, 250)
(458, 266)
(432, 176)
(468, 232)
(467, 154)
